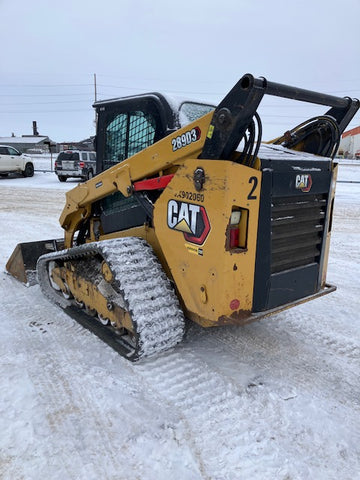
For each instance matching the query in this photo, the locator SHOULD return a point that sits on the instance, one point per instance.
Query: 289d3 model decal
(186, 138)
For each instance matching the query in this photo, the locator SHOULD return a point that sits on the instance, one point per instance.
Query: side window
(127, 134)
(3, 151)
(84, 156)
(12, 151)
(190, 111)
(115, 141)
(92, 156)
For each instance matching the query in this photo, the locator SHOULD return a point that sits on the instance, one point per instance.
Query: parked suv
(13, 161)
(75, 163)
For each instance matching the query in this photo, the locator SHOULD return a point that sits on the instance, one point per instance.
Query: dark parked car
(75, 163)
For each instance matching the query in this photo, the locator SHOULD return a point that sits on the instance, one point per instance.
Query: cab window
(191, 111)
(126, 134)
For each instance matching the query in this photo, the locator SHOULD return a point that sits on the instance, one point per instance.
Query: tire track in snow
(215, 412)
(23, 202)
(62, 399)
(283, 386)
(331, 342)
(297, 363)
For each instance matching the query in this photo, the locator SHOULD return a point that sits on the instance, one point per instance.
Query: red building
(350, 143)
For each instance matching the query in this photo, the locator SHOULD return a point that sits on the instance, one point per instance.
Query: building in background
(350, 143)
(29, 143)
(87, 144)
(38, 144)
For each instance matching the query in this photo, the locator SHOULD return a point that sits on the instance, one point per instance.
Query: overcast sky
(50, 52)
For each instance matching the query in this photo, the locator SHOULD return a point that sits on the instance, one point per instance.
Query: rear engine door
(293, 224)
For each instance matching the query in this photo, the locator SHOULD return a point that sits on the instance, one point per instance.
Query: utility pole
(95, 87)
(95, 96)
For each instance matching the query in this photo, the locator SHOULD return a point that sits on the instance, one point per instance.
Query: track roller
(122, 284)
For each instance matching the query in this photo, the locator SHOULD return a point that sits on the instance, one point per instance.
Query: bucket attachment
(22, 263)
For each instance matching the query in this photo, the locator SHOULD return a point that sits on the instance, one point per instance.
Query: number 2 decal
(253, 181)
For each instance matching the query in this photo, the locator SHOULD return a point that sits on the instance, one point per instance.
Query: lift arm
(220, 132)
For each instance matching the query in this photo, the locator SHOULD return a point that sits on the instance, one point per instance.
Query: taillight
(82, 164)
(234, 228)
(56, 164)
(234, 237)
(237, 230)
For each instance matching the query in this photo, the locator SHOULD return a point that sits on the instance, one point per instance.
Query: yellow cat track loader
(191, 216)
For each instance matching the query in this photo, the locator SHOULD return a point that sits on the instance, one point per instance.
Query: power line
(32, 112)
(46, 103)
(44, 94)
(124, 87)
(34, 85)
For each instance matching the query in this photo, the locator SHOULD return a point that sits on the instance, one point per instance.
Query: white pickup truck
(13, 161)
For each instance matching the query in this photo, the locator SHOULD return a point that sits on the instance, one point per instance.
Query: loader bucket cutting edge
(22, 262)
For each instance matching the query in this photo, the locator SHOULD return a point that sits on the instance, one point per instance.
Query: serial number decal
(194, 249)
(186, 139)
(196, 197)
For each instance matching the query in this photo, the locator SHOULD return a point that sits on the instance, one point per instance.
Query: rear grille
(297, 226)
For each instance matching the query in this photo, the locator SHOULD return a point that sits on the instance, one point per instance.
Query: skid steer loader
(191, 216)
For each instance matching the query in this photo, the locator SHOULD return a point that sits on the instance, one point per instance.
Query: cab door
(125, 127)
(125, 134)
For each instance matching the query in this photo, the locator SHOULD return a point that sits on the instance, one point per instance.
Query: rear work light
(237, 229)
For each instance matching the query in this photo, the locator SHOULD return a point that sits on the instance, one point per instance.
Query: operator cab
(126, 126)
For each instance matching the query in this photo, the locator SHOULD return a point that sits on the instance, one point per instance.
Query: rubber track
(140, 283)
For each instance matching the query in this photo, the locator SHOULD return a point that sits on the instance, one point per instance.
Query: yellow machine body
(241, 230)
(214, 280)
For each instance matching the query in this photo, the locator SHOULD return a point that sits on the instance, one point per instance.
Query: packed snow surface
(277, 399)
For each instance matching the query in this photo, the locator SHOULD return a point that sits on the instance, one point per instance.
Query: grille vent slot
(297, 227)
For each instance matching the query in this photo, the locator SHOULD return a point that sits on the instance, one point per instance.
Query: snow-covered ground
(277, 399)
